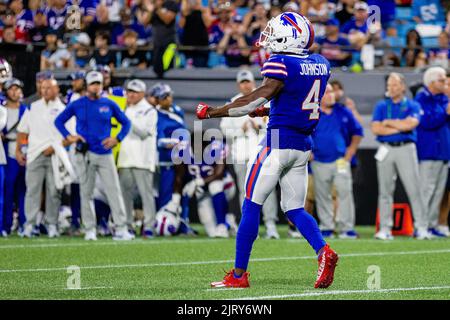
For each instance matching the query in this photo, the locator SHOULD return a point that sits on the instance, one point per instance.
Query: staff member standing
(170, 128)
(245, 134)
(37, 127)
(433, 143)
(331, 165)
(394, 123)
(137, 157)
(15, 173)
(2, 168)
(93, 115)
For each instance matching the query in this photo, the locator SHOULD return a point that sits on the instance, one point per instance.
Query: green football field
(182, 268)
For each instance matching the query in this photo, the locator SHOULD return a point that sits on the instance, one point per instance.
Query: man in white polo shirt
(37, 127)
(137, 157)
(245, 133)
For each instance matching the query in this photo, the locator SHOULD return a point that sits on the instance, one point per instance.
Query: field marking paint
(106, 243)
(191, 263)
(45, 243)
(340, 292)
(86, 288)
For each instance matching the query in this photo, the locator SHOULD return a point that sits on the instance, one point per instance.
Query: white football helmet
(167, 223)
(288, 32)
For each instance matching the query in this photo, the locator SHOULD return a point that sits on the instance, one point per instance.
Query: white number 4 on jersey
(312, 101)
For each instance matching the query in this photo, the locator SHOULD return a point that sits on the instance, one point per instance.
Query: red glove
(259, 112)
(202, 111)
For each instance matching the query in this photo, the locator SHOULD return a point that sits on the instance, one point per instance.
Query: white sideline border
(341, 292)
(48, 243)
(191, 263)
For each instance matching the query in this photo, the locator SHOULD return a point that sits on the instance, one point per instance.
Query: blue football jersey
(295, 110)
(216, 152)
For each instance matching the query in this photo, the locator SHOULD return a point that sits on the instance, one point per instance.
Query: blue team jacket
(94, 121)
(433, 133)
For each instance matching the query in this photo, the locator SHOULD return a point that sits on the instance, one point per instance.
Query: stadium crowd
(202, 33)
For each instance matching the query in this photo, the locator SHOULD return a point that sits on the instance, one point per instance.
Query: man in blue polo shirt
(93, 115)
(394, 123)
(331, 165)
(433, 142)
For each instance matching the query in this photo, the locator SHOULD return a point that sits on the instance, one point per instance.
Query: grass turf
(182, 268)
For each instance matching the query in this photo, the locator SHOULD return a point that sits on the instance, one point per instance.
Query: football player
(294, 82)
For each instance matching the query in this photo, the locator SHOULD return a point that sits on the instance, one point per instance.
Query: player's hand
(259, 112)
(448, 109)
(202, 111)
(192, 186)
(110, 143)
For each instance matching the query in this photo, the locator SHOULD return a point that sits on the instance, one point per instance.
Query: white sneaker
(123, 235)
(444, 230)
(90, 235)
(295, 234)
(28, 231)
(52, 231)
(231, 220)
(380, 235)
(271, 231)
(221, 231)
(422, 234)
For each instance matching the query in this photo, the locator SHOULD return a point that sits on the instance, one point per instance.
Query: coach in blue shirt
(331, 165)
(93, 115)
(433, 143)
(394, 123)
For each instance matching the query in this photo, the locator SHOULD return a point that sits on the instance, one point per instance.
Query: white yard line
(87, 288)
(341, 292)
(46, 243)
(105, 243)
(191, 263)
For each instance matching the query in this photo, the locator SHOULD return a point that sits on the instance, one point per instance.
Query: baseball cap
(332, 22)
(102, 68)
(136, 85)
(77, 75)
(94, 76)
(291, 6)
(12, 82)
(153, 91)
(245, 75)
(237, 19)
(361, 5)
(164, 91)
(44, 75)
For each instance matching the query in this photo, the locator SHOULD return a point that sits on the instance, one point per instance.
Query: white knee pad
(215, 187)
(206, 216)
(229, 187)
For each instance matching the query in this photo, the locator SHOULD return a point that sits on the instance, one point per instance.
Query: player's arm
(180, 170)
(245, 104)
(219, 170)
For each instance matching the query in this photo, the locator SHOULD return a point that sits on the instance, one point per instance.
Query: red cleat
(327, 263)
(229, 281)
